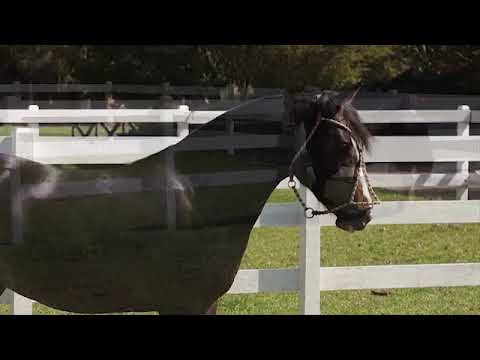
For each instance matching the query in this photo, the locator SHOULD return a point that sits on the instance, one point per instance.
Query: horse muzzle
(352, 221)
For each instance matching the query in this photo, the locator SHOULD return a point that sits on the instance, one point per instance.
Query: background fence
(94, 96)
(309, 278)
(135, 96)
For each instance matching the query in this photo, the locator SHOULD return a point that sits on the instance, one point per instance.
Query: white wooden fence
(309, 278)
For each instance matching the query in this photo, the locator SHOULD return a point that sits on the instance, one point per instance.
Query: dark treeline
(407, 68)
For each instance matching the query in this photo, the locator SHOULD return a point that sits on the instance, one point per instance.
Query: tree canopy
(409, 68)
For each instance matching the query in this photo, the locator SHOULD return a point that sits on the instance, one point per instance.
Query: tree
(406, 67)
(326, 66)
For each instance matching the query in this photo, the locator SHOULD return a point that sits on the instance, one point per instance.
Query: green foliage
(98, 64)
(406, 67)
(438, 69)
(328, 66)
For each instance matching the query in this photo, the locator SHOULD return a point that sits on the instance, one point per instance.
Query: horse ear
(352, 98)
(347, 101)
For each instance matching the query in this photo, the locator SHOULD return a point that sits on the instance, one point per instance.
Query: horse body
(117, 250)
(106, 238)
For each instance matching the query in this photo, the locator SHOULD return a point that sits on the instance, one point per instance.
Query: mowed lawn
(378, 244)
(58, 130)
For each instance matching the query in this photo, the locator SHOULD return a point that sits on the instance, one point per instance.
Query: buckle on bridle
(309, 213)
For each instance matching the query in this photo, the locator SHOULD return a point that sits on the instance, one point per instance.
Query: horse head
(335, 140)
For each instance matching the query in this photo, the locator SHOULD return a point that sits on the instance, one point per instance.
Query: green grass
(66, 130)
(378, 244)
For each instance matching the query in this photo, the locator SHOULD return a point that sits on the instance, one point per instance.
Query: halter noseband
(309, 212)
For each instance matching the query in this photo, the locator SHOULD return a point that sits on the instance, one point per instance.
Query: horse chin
(350, 226)
(353, 224)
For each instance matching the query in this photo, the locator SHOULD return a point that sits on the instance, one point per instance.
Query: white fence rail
(309, 278)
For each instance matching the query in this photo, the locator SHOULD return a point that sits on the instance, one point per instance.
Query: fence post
(34, 125)
(463, 129)
(22, 146)
(224, 93)
(23, 139)
(19, 305)
(17, 89)
(15, 101)
(182, 132)
(229, 130)
(30, 93)
(309, 252)
(182, 125)
(108, 89)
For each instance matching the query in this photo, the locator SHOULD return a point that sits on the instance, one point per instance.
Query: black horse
(105, 238)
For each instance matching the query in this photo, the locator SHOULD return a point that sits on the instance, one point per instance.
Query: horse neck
(236, 184)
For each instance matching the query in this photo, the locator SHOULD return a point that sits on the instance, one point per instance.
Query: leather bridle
(360, 165)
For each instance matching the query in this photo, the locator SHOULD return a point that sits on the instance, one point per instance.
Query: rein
(308, 211)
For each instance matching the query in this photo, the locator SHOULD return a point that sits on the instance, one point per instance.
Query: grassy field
(5, 130)
(378, 244)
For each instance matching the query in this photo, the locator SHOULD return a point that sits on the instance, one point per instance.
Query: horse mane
(360, 132)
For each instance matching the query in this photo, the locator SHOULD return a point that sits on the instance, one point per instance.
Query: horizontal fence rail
(133, 185)
(360, 278)
(387, 213)
(309, 278)
(91, 150)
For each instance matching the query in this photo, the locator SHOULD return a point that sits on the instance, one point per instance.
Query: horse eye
(345, 145)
